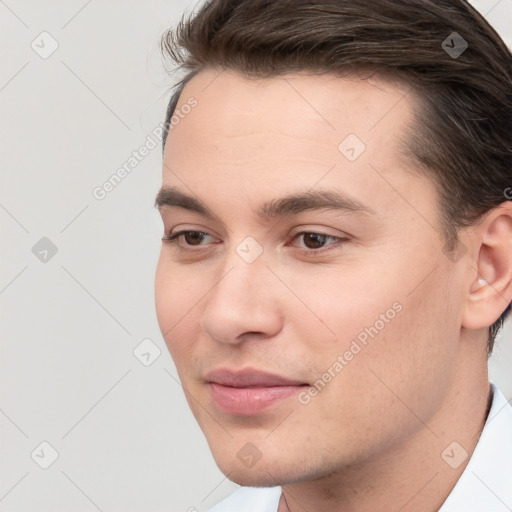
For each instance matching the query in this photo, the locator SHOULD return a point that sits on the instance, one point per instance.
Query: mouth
(249, 392)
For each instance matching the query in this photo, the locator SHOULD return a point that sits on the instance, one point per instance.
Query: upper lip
(248, 378)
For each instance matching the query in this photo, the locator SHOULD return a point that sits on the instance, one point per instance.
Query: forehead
(234, 112)
(261, 138)
(326, 98)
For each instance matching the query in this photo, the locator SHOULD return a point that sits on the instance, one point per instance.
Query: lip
(249, 392)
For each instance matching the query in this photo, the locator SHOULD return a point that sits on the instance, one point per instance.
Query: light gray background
(125, 438)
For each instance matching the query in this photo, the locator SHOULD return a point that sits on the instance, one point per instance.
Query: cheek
(177, 304)
(413, 356)
(165, 296)
(338, 303)
(378, 320)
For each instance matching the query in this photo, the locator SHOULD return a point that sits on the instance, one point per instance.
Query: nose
(243, 304)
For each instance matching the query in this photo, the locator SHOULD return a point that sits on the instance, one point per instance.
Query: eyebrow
(292, 204)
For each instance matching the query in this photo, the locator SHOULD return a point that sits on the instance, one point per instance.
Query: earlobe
(490, 292)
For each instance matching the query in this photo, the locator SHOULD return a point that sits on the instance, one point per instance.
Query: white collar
(486, 483)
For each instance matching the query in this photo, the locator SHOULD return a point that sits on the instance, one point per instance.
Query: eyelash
(173, 240)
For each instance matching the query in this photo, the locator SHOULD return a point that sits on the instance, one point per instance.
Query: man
(337, 256)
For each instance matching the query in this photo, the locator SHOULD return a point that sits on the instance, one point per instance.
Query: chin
(263, 473)
(249, 479)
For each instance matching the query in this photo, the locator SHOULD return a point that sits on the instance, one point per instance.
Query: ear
(490, 292)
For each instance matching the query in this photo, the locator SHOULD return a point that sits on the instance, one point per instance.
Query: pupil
(197, 236)
(317, 240)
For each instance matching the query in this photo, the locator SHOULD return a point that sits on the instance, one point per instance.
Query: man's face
(355, 309)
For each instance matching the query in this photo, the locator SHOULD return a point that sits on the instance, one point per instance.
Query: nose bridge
(244, 270)
(242, 299)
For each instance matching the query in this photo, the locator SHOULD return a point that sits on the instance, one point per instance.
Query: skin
(372, 438)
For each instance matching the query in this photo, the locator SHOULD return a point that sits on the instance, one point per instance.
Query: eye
(190, 237)
(316, 242)
(313, 242)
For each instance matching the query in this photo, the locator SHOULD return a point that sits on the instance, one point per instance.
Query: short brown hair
(463, 136)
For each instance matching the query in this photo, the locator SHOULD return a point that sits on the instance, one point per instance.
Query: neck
(416, 475)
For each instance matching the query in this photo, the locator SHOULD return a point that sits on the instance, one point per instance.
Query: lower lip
(249, 401)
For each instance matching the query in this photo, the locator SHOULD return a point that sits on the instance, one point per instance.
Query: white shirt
(484, 486)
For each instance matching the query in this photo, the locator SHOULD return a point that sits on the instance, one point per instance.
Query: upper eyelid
(317, 230)
(183, 232)
(300, 232)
